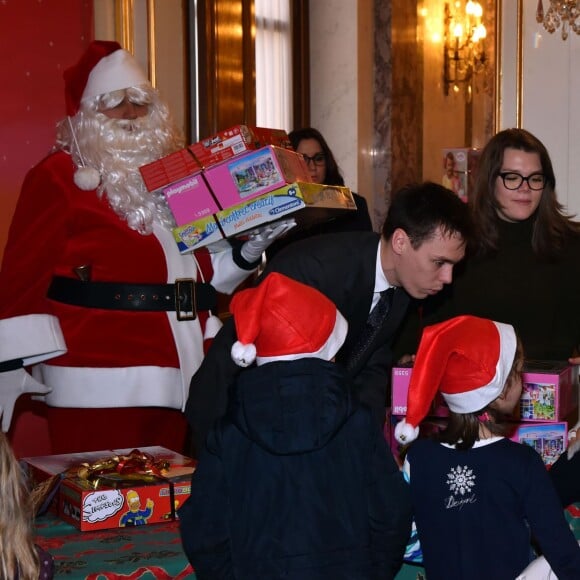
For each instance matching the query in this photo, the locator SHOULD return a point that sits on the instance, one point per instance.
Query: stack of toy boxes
(116, 498)
(235, 181)
(549, 398)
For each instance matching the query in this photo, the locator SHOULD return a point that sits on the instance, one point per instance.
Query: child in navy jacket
(296, 481)
(478, 497)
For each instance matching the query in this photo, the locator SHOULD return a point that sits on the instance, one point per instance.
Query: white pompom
(405, 433)
(87, 178)
(243, 354)
(212, 326)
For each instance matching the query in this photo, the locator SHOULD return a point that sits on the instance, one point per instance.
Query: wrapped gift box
(236, 140)
(116, 497)
(255, 173)
(308, 203)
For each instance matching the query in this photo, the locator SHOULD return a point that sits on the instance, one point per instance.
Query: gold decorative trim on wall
(151, 46)
(498, 65)
(520, 65)
(124, 28)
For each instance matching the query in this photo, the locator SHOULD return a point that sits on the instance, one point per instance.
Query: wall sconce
(565, 12)
(464, 46)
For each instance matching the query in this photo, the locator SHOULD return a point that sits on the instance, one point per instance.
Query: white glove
(262, 237)
(12, 385)
(573, 441)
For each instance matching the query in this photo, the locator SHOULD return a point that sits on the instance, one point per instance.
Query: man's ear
(399, 241)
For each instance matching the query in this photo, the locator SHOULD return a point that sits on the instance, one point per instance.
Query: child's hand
(406, 359)
(573, 442)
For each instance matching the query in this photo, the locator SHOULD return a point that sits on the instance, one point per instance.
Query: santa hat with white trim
(282, 320)
(103, 68)
(467, 359)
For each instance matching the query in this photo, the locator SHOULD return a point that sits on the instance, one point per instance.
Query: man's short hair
(419, 209)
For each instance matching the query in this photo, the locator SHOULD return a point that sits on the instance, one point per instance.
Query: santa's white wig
(112, 150)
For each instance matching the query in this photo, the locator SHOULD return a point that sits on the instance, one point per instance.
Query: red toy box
(236, 140)
(169, 169)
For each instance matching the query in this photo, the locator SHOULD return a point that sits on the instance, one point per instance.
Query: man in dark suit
(423, 237)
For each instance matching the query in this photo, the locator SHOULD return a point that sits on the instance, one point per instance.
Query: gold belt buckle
(184, 286)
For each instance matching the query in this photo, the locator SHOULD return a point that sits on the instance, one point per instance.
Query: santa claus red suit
(95, 299)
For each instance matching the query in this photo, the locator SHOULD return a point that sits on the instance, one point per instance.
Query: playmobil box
(309, 203)
(236, 140)
(459, 170)
(550, 391)
(548, 439)
(169, 169)
(116, 488)
(255, 173)
(190, 199)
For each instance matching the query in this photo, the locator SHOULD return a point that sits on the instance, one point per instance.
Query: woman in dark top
(323, 169)
(524, 269)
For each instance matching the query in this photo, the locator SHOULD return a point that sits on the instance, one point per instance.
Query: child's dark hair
(462, 429)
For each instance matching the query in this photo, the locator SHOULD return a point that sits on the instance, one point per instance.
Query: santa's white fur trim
(405, 433)
(243, 354)
(87, 178)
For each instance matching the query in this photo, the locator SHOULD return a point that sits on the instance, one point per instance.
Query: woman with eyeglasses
(524, 268)
(323, 169)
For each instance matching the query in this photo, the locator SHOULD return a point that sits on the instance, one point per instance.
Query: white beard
(119, 149)
(116, 148)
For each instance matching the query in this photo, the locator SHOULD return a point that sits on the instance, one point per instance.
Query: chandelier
(464, 45)
(564, 12)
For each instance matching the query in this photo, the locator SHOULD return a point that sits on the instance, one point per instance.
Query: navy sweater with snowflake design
(476, 511)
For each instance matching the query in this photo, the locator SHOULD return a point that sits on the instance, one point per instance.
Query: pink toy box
(190, 199)
(255, 173)
(548, 439)
(549, 394)
(550, 391)
(308, 203)
(459, 170)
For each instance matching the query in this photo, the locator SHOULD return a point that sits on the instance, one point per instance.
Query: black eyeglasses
(317, 158)
(535, 181)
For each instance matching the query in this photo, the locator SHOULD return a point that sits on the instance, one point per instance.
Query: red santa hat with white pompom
(467, 359)
(103, 68)
(283, 320)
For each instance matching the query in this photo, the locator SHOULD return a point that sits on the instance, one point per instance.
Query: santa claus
(95, 298)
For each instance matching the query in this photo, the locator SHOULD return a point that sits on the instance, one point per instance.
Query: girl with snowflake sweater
(479, 499)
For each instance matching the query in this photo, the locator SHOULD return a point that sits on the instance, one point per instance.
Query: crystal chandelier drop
(560, 12)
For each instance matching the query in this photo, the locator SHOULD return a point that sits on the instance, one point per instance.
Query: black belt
(186, 297)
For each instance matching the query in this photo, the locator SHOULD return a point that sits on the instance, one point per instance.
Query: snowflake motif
(461, 480)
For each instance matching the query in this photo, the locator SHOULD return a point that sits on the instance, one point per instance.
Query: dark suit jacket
(341, 266)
